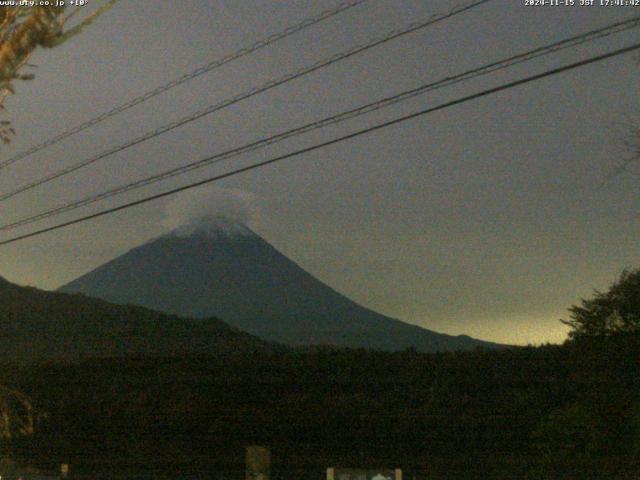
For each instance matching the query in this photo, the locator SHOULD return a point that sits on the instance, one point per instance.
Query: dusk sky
(487, 218)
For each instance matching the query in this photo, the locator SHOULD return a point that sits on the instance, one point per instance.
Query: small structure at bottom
(9, 470)
(258, 463)
(364, 473)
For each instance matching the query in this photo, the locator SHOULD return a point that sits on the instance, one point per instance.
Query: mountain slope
(229, 272)
(37, 325)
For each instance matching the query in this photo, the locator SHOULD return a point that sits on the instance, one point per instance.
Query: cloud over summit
(210, 209)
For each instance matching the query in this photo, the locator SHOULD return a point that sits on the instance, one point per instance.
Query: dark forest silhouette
(569, 411)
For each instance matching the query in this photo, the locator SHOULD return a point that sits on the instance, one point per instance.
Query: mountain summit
(214, 227)
(223, 269)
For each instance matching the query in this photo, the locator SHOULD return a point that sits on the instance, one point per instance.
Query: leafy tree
(607, 314)
(25, 28)
(16, 414)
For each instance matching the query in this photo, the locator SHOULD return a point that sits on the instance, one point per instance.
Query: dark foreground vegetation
(569, 411)
(550, 412)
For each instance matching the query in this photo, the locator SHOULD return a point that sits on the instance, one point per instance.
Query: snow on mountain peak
(213, 227)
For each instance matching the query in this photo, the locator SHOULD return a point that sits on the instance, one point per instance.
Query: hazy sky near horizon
(485, 219)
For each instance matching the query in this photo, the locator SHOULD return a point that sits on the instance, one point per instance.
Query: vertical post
(258, 463)
(398, 473)
(64, 470)
(331, 473)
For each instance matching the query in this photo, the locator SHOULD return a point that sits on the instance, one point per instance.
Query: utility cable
(335, 119)
(306, 23)
(243, 96)
(336, 140)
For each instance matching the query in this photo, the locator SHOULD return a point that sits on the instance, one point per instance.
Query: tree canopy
(614, 312)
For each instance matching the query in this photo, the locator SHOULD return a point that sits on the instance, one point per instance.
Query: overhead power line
(336, 140)
(248, 94)
(334, 119)
(213, 65)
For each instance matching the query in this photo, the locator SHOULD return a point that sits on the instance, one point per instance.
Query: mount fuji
(223, 269)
